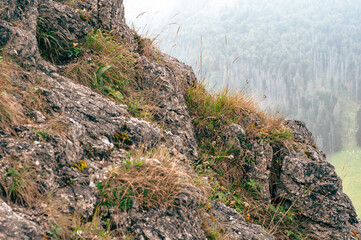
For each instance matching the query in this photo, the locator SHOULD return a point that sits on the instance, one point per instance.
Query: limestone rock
(13, 226)
(235, 225)
(180, 221)
(312, 185)
(167, 95)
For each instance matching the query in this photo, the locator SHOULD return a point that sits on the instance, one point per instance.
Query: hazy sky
(154, 11)
(154, 15)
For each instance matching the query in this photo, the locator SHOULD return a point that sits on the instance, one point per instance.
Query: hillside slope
(104, 137)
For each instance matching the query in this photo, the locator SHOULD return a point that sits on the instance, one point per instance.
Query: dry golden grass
(64, 225)
(10, 109)
(19, 94)
(149, 49)
(150, 180)
(212, 112)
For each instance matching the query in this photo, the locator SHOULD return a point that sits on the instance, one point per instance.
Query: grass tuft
(10, 109)
(21, 183)
(150, 180)
(110, 68)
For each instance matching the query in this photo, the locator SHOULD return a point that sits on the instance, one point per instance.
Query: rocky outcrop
(74, 136)
(165, 86)
(300, 176)
(309, 182)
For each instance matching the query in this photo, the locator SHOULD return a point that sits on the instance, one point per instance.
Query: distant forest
(358, 134)
(300, 55)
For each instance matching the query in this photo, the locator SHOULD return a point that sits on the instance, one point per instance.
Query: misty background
(301, 57)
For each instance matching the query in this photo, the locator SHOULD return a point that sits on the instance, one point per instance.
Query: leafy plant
(75, 51)
(99, 76)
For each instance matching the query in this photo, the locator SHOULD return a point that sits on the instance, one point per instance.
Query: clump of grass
(110, 68)
(149, 180)
(53, 45)
(212, 112)
(10, 109)
(21, 183)
(63, 225)
(147, 48)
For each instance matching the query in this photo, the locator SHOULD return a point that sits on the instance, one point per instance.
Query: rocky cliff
(104, 137)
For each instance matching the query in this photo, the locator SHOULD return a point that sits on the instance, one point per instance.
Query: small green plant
(55, 231)
(253, 186)
(135, 106)
(100, 77)
(75, 51)
(212, 233)
(44, 134)
(115, 94)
